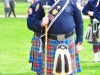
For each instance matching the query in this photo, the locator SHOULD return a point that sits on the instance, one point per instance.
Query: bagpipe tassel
(62, 61)
(98, 34)
(89, 33)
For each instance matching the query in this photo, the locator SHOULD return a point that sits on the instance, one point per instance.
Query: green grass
(20, 8)
(15, 42)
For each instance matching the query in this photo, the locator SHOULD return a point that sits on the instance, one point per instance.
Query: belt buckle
(60, 37)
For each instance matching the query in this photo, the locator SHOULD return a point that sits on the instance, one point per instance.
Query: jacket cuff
(79, 40)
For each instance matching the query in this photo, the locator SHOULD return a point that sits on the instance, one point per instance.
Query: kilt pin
(37, 59)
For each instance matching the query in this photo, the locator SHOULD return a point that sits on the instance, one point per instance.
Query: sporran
(62, 61)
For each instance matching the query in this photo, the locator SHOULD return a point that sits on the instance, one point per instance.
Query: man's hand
(45, 21)
(90, 13)
(78, 48)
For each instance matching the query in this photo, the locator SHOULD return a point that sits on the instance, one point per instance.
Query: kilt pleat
(35, 56)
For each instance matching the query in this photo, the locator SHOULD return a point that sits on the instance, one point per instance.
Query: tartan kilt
(35, 57)
(51, 49)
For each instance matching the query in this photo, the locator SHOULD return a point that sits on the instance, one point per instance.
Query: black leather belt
(61, 37)
(37, 34)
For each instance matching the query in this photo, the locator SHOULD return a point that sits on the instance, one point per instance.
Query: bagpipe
(98, 34)
(93, 29)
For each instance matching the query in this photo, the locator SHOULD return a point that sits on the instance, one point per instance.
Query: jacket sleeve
(31, 18)
(86, 8)
(79, 24)
(38, 17)
(96, 12)
(31, 26)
